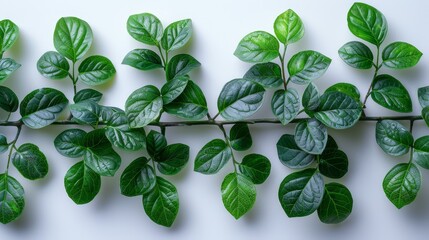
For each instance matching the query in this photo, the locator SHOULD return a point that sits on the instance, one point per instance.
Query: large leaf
(333, 163)
(393, 138)
(291, 155)
(176, 35)
(9, 33)
(306, 66)
(257, 47)
(391, 94)
(30, 161)
(346, 88)
(143, 106)
(240, 99)
(173, 88)
(173, 158)
(86, 112)
(8, 99)
(11, 198)
(421, 152)
(423, 94)
(96, 70)
(367, 23)
(285, 105)
(53, 65)
(156, 142)
(145, 28)
(42, 107)
(161, 204)
(143, 59)
(240, 137)
(399, 55)
(336, 205)
(72, 37)
(256, 167)
(311, 136)
(266, 74)
(138, 178)
(7, 67)
(212, 157)
(357, 55)
(180, 65)
(82, 183)
(87, 94)
(301, 193)
(288, 27)
(238, 194)
(402, 183)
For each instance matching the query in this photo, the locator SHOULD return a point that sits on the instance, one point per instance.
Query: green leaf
(257, 47)
(11, 198)
(145, 28)
(8, 99)
(402, 183)
(180, 65)
(143, 59)
(173, 158)
(400, 55)
(7, 67)
(391, 94)
(238, 194)
(172, 89)
(87, 95)
(143, 106)
(53, 65)
(72, 37)
(42, 107)
(331, 144)
(99, 154)
(336, 205)
(367, 23)
(338, 110)
(291, 155)
(9, 33)
(240, 99)
(288, 27)
(285, 105)
(30, 161)
(86, 112)
(82, 183)
(70, 143)
(421, 152)
(156, 142)
(4, 146)
(346, 88)
(357, 55)
(393, 138)
(240, 137)
(311, 136)
(212, 157)
(96, 70)
(161, 204)
(266, 74)
(333, 163)
(301, 193)
(311, 97)
(138, 178)
(306, 66)
(176, 35)
(425, 115)
(423, 94)
(255, 167)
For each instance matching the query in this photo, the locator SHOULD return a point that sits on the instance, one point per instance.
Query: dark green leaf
(288, 27)
(212, 157)
(53, 65)
(421, 152)
(7, 67)
(311, 136)
(336, 205)
(86, 112)
(172, 89)
(4, 146)
(70, 143)
(87, 94)
(331, 144)
(173, 158)
(266, 74)
(96, 70)
(240, 137)
(11, 198)
(82, 183)
(156, 142)
(425, 115)
(306, 66)
(391, 94)
(393, 138)
(333, 163)
(143, 106)
(138, 178)
(143, 59)
(145, 28)
(346, 88)
(180, 65)
(8, 99)
(238, 194)
(399, 55)
(176, 35)
(357, 55)
(291, 155)
(311, 97)
(423, 94)
(256, 167)
(257, 47)
(285, 105)
(9, 33)
(30, 161)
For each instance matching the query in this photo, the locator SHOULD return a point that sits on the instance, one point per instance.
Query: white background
(218, 27)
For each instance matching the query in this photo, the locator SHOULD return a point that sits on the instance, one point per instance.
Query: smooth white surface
(218, 26)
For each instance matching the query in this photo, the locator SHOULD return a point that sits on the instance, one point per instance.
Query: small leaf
(240, 99)
(70, 143)
(96, 70)
(266, 74)
(143, 59)
(301, 193)
(7, 67)
(155, 142)
(288, 27)
(145, 28)
(161, 204)
(143, 106)
(257, 47)
(240, 137)
(400, 55)
(8, 99)
(336, 205)
(53, 65)
(42, 107)
(30, 161)
(86, 112)
(423, 94)
(291, 155)
(357, 55)
(12, 201)
(393, 138)
(285, 105)
(402, 183)
(306, 66)
(311, 136)
(180, 65)
(4, 146)
(425, 115)
(138, 178)
(172, 89)
(173, 158)
(176, 35)
(238, 194)
(346, 88)
(82, 183)
(421, 152)
(212, 157)
(255, 167)
(311, 97)
(333, 163)
(9, 33)
(87, 95)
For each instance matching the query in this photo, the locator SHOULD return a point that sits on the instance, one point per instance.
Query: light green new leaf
(143, 106)
(212, 157)
(176, 35)
(82, 184)
(257, 47)
(285, 105)
(291, 155)
(400, 55)
(11, 198)
(7, 67)
(311, 136)
(238, 194)
(138, 178)
(306, 66)
(391, 94)
(357, 55)
(143, 59)
(145, 28)
(180, 65)
(9, 33)
(256, 167)
(96, 70)
(393, 138)
(30, 161)
(240, 137)
(70, 143)
(336, 205)
(288, 27)
(8, 99)
(421, 152)
(266, 74)
(53, 65)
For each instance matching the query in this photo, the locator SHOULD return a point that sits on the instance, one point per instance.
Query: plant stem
(411, 125)
(74, 80)
(164, 62)
(282, 65)
(8, 116)
(18, 132)
(235, 163)
(377, 67)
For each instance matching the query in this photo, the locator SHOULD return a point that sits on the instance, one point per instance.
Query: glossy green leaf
(82, 184)
(161, 204)
(240, 137)
(8, 99)
(288, 27)
(7, 67)
(367, 23)
(301, 193)
(173, 158)
(285, 105)
(72, 37)
(402, 183)
(331, 144)
(180, 65)
(336, 205)
(4, 146)
(42, 107)
(172, 89)
(311, 97)
(11, 198)
(425, 115)
(86, 112)
(421, 152)
(266, 74)
(143, 106)
(138, 178)
(257, 47)
(423, 94)
(143, 59)
(176, 35)
(87, 95)
(30, 161)
(155, 142)
(212, 157)
(357, 55)
(238, 194)
(240, 99)
(256, 167)
(53, 65)
(96, 70)
(346, 88)
(291, 155)
(333, 163)
(145, 28)
(393, 138)
(306, 66)
(9, 33)
(70, 143)
(400, 55)
(311, 136)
